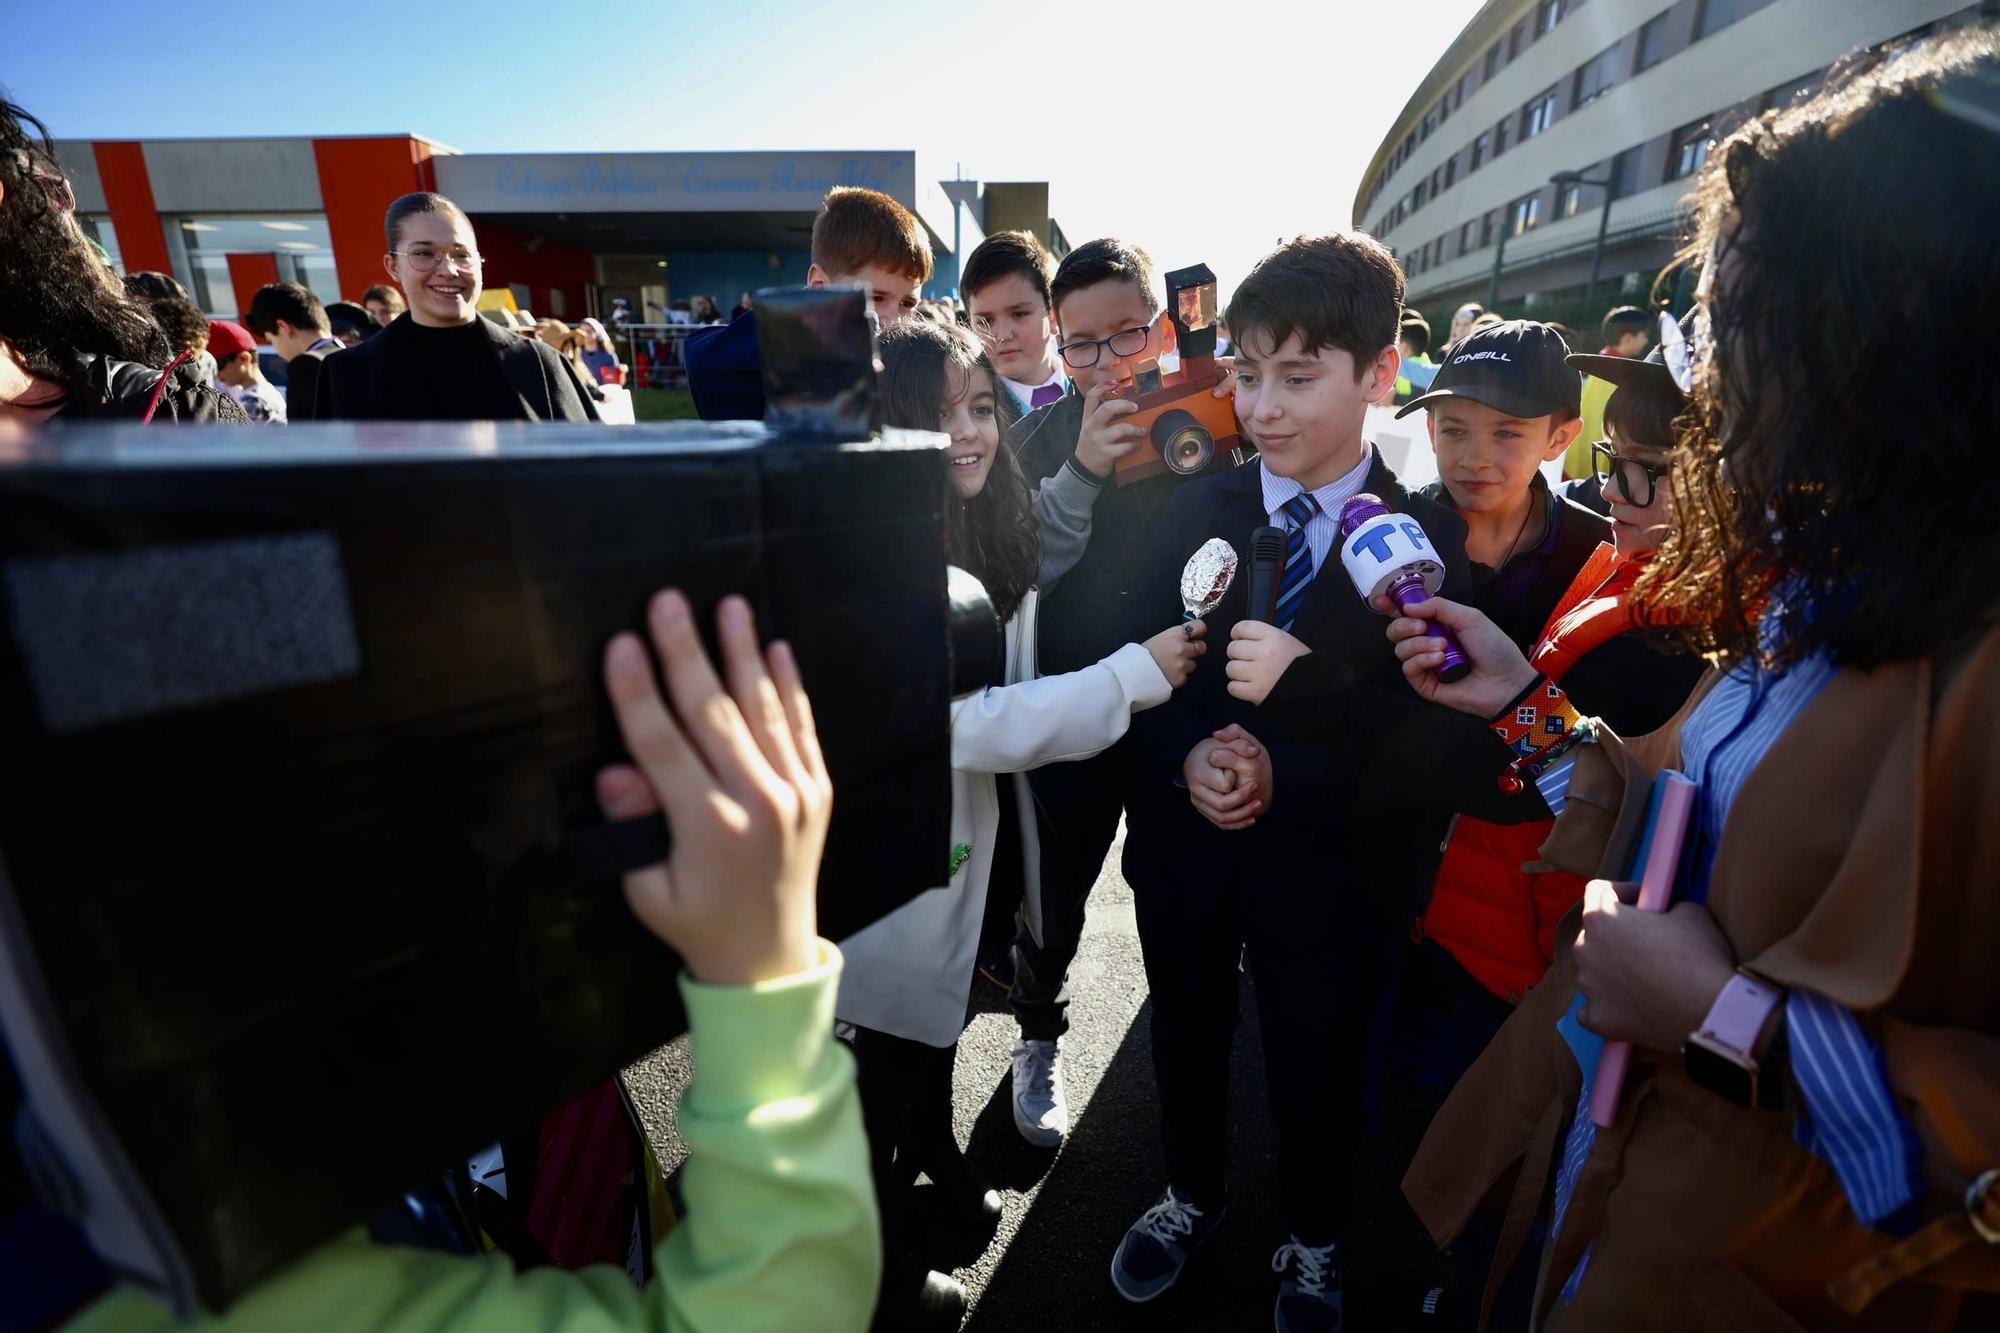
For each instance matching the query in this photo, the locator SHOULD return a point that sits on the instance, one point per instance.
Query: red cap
(227, 338)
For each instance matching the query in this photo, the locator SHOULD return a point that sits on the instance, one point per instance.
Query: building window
(1651, 48)
(1450, 170)
(1688, 150)
(1625, 174)
(1492, 62)
(1409, 143)
(1465, 235)
(1500, 136)
(1568, 198)
(299, 242)
(1712, 16)
(1486, 229)
(1781, 96)
(1547, 14)
(1516, 40)
(1538, 114)
(1430, 124)
(1437, 181)
(1478, 154)
(1417, 195)
(1524, 213)
(97, 226)
(1594, 78)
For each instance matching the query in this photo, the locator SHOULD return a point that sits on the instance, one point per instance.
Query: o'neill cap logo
(1483, 356)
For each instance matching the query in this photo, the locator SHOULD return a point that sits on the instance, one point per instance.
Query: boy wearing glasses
(1108, 318)
(445, 363)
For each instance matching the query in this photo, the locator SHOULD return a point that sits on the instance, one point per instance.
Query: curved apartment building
(1629, 93)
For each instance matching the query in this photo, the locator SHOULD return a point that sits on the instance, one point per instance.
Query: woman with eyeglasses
(1808, 1134)
(73, 344)
(439, 361)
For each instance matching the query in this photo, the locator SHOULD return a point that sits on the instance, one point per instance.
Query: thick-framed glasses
(424, 261)
(1604, 464)
(1085, 352)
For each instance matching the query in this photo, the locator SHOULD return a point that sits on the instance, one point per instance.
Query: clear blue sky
(1205, 133)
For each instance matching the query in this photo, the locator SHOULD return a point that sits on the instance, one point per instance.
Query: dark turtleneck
(450, 374)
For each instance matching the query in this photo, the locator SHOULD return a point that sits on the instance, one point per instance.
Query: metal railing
(652, 354)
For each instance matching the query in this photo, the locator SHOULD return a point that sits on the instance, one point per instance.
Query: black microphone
(1267, 566)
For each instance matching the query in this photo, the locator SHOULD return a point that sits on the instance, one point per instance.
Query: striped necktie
(1298, 511)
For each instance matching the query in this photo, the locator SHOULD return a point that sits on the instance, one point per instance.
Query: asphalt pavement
(1046, 1269)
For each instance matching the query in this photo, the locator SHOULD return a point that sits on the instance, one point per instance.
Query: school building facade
(565, 232)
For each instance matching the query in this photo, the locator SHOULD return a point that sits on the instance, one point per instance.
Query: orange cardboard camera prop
(1186, 424)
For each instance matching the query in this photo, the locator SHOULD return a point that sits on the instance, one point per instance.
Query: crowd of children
(1421, 871)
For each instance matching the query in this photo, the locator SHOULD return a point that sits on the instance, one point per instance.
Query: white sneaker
(1041, 1111)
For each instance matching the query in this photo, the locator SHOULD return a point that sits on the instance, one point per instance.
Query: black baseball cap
(1515, 366)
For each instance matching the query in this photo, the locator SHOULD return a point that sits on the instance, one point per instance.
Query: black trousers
(1316, 949)
(1077, 807)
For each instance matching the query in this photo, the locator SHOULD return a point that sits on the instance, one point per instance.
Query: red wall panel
(549, 266)
(128, 194)
(358, 180)
(248, 272)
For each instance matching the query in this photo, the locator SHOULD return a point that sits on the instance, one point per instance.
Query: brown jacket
(1861, 860)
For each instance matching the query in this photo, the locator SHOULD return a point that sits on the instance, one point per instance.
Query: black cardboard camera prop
(300, 740)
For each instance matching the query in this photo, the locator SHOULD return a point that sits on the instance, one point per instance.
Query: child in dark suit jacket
(1245, 839)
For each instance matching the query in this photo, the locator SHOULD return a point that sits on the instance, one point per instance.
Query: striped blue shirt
(1323, 528)
(1849, 1119)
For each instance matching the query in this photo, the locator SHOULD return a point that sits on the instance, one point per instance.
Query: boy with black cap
(1504, 403)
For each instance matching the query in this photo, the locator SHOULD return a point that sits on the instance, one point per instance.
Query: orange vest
(1497, 919)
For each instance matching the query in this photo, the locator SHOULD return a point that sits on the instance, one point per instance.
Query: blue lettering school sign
(667, 182)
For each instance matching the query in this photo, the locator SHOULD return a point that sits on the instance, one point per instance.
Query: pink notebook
(1660, 856)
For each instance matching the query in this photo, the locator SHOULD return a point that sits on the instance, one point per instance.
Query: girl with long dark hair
(72, 343)
(1810, 1133)
(909, 976)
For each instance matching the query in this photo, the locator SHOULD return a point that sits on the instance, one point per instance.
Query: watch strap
(1740, 1012)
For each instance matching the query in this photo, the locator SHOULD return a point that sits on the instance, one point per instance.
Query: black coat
(1365, 774)
(354, 382)
(302, 383)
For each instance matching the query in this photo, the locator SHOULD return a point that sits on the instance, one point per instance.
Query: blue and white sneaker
(1157, 1247)
(1309, 1292)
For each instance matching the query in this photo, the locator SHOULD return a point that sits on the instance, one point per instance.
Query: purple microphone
(1387, 555)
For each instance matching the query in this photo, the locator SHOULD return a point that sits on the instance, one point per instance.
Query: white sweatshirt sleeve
(1013, 728)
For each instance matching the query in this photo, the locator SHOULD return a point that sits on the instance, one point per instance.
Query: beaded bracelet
(1540, 726)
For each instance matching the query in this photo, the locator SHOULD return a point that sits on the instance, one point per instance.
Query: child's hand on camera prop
(1176, 649)
(744, 789)
(1106, 436)
(1258, 655)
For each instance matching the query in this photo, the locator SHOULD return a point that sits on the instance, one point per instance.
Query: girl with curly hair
(1810, 1133)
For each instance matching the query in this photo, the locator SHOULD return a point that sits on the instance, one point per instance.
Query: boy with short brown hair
(1006, 285)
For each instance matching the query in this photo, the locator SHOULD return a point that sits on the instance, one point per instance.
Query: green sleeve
(780, 1231)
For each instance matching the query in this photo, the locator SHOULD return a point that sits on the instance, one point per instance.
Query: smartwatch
(1720, 1054)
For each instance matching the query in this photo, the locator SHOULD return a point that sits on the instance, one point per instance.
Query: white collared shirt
(1024, 394)
(1324, 527)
